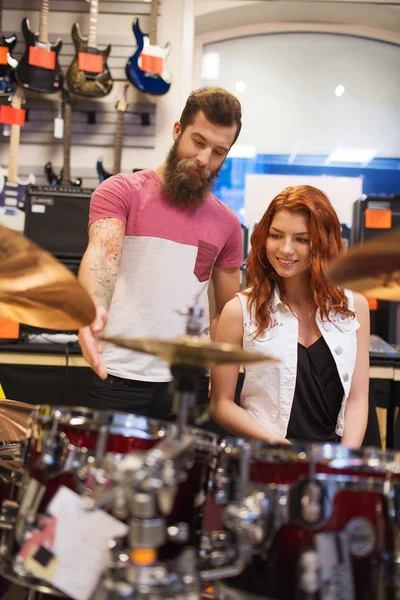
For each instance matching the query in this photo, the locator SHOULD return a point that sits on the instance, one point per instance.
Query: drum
(330, 519)
(10, 478)
(80, 448)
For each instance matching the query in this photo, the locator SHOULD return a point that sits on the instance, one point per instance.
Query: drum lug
(178, 533)
(311, 503)
(221, 484)
(9, 512)
(249, 517)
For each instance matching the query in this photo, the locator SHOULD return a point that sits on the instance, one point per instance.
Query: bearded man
(156, 239)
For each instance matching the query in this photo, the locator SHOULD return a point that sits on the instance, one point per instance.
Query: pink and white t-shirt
(167, 259)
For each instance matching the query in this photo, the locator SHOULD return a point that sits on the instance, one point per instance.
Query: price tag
(59, 128)
(69, 550)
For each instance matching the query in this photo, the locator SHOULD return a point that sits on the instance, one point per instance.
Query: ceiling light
(339, 91)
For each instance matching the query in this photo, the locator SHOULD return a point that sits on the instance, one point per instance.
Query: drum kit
(106, 505)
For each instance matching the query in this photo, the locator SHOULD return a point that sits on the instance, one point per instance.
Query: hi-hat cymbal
(372, 268)
(14, 420)
(36, 289)
(191, 351)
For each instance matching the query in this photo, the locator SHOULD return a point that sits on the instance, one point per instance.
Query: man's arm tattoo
(106, 237)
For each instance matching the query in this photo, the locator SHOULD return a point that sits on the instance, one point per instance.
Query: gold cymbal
(372, 268)
(14, 420)
(36, 289)
(191, 351)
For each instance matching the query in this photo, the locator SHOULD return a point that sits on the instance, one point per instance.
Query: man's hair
(219, 107)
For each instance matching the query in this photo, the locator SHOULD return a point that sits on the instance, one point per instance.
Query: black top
(317, 397)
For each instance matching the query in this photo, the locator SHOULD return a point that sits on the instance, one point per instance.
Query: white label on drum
(336, 579)
(70, 550)
(360, 536)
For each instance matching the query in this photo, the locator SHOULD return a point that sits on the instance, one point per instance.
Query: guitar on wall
(65, 174)
(7, 65)
(12, 196)
(121, 107)
(38, 69)
(88, 74)
(147, 69)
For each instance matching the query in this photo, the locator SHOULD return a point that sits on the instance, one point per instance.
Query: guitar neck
(67, 142)
(94, 16)
(44, 22)
(13, 158)
(153, 22)
(119, 134)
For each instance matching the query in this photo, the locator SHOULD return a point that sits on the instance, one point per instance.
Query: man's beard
(184, 187)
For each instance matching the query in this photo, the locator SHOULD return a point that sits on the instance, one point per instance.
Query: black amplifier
(57, 219)
(373, 215)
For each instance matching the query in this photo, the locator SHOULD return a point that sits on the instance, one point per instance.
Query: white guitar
(12, 194)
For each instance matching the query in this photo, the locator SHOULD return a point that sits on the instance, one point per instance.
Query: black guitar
(7, 65)
(88, 74)
(65, 174)
(38, 69)
(120, 107)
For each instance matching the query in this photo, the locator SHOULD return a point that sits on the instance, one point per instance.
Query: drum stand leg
(186, 379)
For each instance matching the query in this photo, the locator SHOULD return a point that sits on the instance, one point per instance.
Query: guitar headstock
(18, 98)
(122, 102)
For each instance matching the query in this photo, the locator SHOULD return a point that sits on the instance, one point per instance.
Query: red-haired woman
(318, 392)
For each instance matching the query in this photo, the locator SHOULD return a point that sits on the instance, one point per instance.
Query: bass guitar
(121, 107)
(38, 69)
(12, 196)
(147, 69)
(65, 174)
(88, 74)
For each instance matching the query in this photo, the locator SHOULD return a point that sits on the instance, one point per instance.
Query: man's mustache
(190, 165)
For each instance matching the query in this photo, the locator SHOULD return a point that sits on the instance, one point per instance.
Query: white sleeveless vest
(268, 388)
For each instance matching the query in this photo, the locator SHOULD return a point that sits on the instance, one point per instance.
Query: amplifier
(57, 219)
(373, 215)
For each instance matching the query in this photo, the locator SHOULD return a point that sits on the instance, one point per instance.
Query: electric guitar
(38, 69)
(65, 174)
(147, 69)
(121, 107)
(88, 74)
(12, 196)
(7, 65)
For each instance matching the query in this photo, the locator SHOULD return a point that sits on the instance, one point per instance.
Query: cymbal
(14, 420)
(36, 289)
(372, 268)
(191, 351)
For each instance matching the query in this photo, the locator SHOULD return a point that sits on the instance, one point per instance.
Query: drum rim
(118, 422)
(334, 456)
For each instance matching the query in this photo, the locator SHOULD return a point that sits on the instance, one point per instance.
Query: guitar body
(7, 79)
(149, 83)
(35, 78)
(12, 201)
(55, 179)
(94, 85)
(102, 173)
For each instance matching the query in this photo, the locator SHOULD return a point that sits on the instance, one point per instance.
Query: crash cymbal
(372, 268)
(14, 419)
(36, 289)
(191, 351)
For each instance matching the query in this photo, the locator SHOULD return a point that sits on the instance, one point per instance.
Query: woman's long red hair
(325, 245)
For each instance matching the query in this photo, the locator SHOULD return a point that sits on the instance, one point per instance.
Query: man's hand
(91, 345)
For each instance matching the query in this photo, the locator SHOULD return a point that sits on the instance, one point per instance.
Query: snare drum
(79, 448)
(331, 528)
